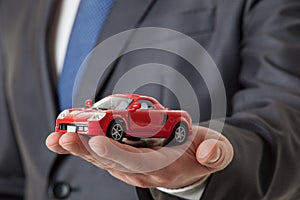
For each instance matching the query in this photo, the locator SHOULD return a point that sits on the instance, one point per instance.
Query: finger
(52, 142)
(107, 149)
(137, 160)
(72, 143)
(204, 133)
(215, 154)
(77, 145)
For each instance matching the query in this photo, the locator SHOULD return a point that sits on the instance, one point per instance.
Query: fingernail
(216, 157)
(98, 149)
(204, 153)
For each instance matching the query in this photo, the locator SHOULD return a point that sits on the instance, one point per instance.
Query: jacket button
(61, 190)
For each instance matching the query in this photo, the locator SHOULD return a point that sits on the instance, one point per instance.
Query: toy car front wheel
(180, 133)
(116, 130)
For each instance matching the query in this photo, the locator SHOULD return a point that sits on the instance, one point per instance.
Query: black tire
(116, 130)
(180, 133)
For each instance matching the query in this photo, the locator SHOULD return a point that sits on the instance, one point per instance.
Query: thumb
(215, 154)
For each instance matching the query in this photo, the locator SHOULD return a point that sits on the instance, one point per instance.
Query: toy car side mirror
(88, 103)
(135, 106)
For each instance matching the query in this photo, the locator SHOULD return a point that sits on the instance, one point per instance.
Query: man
(254, 45)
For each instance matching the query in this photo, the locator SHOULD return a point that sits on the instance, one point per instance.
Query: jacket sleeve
(264, 126)
(265, 121)
(11, 169)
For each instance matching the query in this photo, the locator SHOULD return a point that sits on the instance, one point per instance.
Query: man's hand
(207, 153)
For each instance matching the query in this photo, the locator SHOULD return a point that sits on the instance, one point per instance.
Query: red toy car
(126, 115)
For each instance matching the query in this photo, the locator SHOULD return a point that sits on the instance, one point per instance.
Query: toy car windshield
(113, 103)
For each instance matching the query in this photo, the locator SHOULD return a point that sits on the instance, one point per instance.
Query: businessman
(254, 43)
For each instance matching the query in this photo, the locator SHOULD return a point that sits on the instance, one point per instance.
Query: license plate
(71, 129)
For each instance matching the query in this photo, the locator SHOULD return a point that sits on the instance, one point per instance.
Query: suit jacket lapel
(29, 89)
(49, 77)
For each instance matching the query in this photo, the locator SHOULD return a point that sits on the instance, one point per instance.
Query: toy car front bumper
(89, 128)
(73, 128)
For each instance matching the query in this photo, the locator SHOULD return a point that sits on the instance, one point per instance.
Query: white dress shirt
(63, 31)
(64, 27)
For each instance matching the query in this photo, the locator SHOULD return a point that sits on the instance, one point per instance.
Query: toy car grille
(63, 127)
(83, 128)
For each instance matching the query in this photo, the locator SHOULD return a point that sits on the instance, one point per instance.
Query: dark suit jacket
(255, 44)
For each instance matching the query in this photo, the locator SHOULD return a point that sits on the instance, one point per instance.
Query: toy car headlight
(63, 114)
(97, 117)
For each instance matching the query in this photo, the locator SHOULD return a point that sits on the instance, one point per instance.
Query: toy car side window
(122, 105)
(146, 105)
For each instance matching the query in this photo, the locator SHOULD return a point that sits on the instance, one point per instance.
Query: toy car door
(147, 120)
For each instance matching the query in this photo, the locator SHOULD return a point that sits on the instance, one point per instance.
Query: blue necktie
(87, 26)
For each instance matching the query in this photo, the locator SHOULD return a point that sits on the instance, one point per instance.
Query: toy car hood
(81, 114)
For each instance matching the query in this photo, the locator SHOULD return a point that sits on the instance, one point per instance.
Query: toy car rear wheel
(180, 133)
(117, 130)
